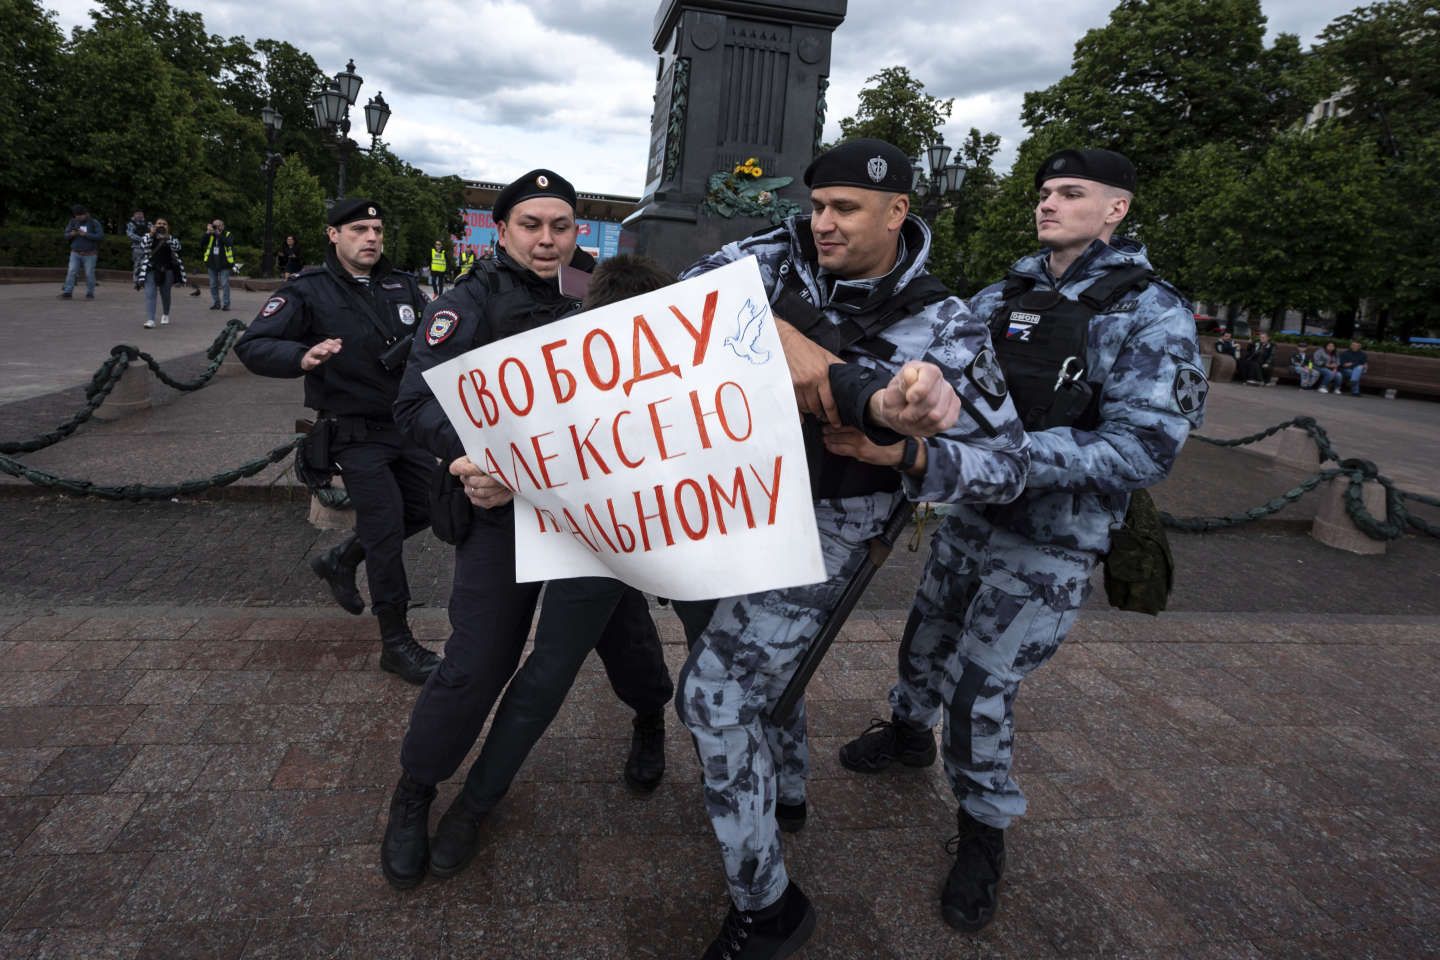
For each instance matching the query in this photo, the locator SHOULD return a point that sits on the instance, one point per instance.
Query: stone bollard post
(328, 518)
(130, 395)
(1291, 446)
(1333, 526)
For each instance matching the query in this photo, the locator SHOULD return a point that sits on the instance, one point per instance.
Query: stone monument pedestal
(1333, 526)
(736, 79)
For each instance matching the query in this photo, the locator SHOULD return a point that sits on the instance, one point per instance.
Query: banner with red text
(654, 440)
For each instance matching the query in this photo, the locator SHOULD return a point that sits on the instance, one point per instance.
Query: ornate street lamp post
(332, 114)
(273, 122)
(944, 179)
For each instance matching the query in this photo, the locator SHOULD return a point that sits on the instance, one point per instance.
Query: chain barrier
(1357, 473)
(137, 492)
(109, 374)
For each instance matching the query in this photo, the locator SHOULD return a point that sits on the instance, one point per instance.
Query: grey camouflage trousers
(983, 618)
(735, 673)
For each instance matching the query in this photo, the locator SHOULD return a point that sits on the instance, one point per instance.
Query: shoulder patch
(1190, 389)
(442, 324)
(984, 371)
(273, 305)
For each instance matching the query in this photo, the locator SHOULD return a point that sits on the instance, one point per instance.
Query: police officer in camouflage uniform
(345, 327)
(858, 311)
(1106, 416)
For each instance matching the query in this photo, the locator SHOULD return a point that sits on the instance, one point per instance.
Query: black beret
(536, 183)
(348, 211)
(1102, 166)
(869, 164)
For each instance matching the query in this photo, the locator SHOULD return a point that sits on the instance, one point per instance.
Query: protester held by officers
(439, 266)
(159, 268)
(877, 348)
(490, 613)
(345, 326)
(84, 233)
(1101, 358)
(219, 257)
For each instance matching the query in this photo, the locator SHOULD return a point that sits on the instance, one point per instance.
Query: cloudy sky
(490, 89)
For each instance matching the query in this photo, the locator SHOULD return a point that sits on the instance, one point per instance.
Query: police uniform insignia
(407, 314)
(984, 371)
(391, 285)
(272, 306)
(1021, 325)
(370, 210)
(1190, 389)
(542, 181)
(442, 324)
(1058, 164)
(877, 168)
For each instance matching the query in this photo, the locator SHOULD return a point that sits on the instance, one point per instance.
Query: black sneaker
(885, 741)
(972, 890)
(790, 817)
(777, 931)
(214, 306)
(457, 837)
(65, 296)
(405, 851)
(646, 763)
(336, 567)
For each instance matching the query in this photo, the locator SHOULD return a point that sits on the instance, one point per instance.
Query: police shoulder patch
(273, 305)
(1190, 388)
(984, 371)
(442, 324)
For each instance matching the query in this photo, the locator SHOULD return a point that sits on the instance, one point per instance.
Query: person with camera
(84, 233)
(158, 268)
(346, 328)
(219, 261)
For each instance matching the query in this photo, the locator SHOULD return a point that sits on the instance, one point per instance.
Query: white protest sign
(654, 440)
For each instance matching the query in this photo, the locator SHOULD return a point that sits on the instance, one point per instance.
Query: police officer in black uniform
(490, 613)
(346, 328)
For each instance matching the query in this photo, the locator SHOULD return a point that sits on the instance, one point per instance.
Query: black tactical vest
(1041, 338)
(833, 476)
(509, 305)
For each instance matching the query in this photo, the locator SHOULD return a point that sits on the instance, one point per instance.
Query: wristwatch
(909, 455)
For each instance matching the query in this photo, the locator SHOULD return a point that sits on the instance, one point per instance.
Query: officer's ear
(897, 210)
(1118, 202)
(332, 234)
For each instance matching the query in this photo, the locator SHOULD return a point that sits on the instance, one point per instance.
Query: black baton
(878, 548)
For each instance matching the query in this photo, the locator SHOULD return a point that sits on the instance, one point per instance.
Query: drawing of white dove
(750, 322)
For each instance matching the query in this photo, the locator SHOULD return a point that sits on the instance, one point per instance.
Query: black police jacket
(497, 299)
(325, 302)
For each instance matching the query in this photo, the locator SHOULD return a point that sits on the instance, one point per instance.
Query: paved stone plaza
(196, 748)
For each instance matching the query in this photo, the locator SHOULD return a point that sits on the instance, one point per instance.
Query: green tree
(1163, 76)
(31, 54)
(419, 209)
(1385, 58)
(895, 107)
(299, 207)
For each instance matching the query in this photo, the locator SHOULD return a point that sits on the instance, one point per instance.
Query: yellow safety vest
(437, 261)
(467, 260)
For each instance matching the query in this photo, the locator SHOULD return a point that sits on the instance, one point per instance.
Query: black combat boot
(769, 934)
(972, 890)
(886, 741)
(405, 851)
(790, 817)
(646, 763)
(457, 837)
(336, 567)
(400, 654)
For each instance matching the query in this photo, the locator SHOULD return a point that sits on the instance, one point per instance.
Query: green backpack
(1139, 569)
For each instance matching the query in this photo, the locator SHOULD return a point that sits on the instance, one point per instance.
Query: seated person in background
(1301, 366)
(1327, 362)
(1254, 367)
(1226, 344)
(1352, 367)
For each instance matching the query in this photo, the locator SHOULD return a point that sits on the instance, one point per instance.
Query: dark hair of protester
(625, 276)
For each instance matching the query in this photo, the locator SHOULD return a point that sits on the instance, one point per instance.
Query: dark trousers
(490, 617)
(388, 481)
(437, 283)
